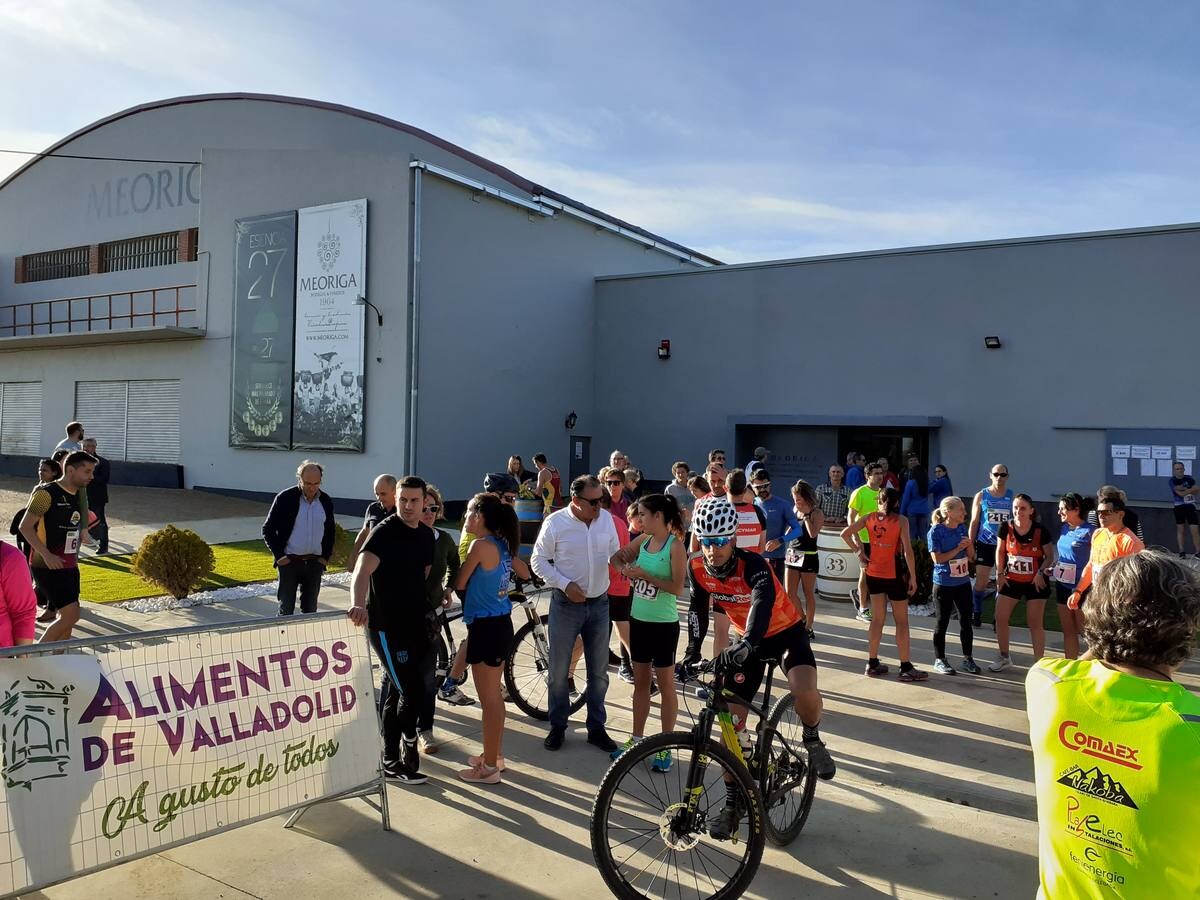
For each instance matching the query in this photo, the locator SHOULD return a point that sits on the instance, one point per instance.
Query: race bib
(997, 516)
(1020, 565)
(644, 590)
(793, 557)
(1193, 499)
(71, 544)
(959, 568)
(1064, 573)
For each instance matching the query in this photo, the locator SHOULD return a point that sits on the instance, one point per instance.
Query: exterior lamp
(992, 342)
(360, 300)
(571, 419)
(664, 349)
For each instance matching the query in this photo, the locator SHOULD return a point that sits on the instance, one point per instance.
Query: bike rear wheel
(787, 779)
(641, 839)
(527, 671)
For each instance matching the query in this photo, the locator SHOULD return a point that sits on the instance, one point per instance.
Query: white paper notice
(1147, 468)
(1119, 451)
(1140, 451)
(1164, 468)
(1185, 452)
(1120, 465)
(1161, 452)
(1187, 467)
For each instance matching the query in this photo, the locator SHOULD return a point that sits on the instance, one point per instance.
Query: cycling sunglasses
(714, 541)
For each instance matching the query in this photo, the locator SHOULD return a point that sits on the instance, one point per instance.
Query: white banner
(156, 741)
(331, 274)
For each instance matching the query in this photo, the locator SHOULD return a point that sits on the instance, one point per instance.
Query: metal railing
(119, 311)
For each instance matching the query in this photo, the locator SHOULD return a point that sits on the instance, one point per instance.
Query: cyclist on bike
(767, 625)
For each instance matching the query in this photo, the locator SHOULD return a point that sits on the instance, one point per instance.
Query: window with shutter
(152, 429)
(100, 406)
(21, 418)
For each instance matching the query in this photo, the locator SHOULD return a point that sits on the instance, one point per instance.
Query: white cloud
(18, 139)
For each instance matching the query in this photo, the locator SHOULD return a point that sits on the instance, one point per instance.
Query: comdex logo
(1074, 738)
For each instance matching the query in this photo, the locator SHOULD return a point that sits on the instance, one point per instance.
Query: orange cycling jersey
(751, 595)
(885, 544)
(750, 526)
(1023, 554)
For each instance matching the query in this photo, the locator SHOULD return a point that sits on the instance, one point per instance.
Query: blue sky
(749, 131)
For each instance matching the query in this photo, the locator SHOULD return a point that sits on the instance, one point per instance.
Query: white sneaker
(455, 697)
(999, 664)
(427, 743)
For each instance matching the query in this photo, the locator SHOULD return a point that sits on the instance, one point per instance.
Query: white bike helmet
(714, 517)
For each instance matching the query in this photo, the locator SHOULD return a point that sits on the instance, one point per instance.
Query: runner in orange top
(1110, 541)
(889, 539)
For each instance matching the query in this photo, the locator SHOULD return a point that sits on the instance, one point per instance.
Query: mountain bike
(527, 668)
(652, 831)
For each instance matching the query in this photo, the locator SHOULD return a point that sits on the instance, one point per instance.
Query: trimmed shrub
(177, 560)
(343, 543)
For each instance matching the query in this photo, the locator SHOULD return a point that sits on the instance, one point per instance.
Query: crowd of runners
(619, 560)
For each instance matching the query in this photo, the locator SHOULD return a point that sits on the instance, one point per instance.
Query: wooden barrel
(529, 516)
(839, 568)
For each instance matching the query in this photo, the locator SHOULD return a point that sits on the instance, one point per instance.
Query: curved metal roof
(524, 184)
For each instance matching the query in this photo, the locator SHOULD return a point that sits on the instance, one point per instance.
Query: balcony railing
(102, 312)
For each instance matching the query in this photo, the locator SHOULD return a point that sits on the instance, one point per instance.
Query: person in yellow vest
(1116, 741)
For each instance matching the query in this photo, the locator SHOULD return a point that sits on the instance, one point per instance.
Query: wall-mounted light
(360, 300)
(570, 420)
(664, 349)
(992, 342)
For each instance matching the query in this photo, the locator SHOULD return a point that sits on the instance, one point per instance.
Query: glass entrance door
(893, 443)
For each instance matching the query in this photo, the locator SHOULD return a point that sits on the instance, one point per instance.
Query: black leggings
(949, 597)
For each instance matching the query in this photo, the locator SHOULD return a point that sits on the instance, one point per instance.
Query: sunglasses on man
(594, 503)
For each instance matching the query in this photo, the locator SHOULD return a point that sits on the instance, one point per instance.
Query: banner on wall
(263, 311)
(163, 738)
(331, 270)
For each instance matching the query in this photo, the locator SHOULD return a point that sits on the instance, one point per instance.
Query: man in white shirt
(571, 555)
(73, 440)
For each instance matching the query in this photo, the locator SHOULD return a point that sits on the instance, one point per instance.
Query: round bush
(175, 559)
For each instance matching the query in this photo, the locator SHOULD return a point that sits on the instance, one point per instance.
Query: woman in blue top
(952, 550)
(940, 487)
(482, 582)
(1074, 551)
(914, 503)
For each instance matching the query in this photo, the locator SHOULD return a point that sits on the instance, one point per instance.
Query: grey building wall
(1097, 330)
(506, 304)
(506, 320)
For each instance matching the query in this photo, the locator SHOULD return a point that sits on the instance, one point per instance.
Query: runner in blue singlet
(991, 509)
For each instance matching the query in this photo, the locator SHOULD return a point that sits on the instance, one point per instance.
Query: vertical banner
(263, 304)
(166, 737)
(331, 275)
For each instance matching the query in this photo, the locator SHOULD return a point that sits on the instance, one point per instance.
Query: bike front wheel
(787, 779)
(650, 842)
(527, 671)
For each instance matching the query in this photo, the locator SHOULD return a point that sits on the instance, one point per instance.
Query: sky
(747, 131)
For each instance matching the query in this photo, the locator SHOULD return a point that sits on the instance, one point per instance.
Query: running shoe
(455, 697)
(911, 675)
(504, 694)
(875, 671)
(820, 759)
(725, 823)
(408, 754)
(1001, 663)
(397, 772)
(620, 751)
(943, 668)
(474, 761)
(480, 774)
(653, 687)
(863, 615)
(572, 691)
(625, 673)
(427, 742)
(662, 761)
(969, 666)
(812, 635)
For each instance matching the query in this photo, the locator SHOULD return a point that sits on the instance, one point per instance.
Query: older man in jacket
(299, 531)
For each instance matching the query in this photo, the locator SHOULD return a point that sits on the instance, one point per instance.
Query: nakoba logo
(1074, 738)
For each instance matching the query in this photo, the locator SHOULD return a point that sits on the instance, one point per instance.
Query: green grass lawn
(107, 579)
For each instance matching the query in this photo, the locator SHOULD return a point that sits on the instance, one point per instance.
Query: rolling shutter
(21, 418)
(100, 408)
(152, 422)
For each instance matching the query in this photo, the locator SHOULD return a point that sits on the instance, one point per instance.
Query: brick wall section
(187, 244)
(94, 259)
(19, 270)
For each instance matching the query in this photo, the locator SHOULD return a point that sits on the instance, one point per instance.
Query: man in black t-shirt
(388, 595)
(378, 509)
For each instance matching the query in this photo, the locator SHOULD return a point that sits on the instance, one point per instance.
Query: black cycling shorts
(985, 554)
(789, 646)
(1024, 590)
(1185, 514)
(804, 562)
(60, 587)
(655, 643)
(619, 607)
(896, 589)
(489, 640)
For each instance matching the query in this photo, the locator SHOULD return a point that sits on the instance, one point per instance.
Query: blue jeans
(568, 621)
